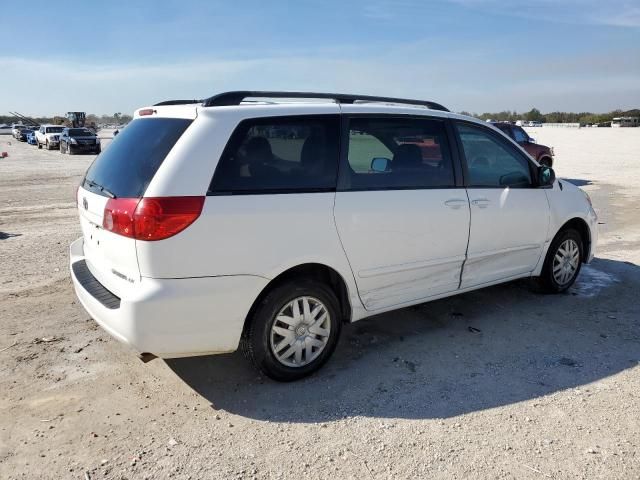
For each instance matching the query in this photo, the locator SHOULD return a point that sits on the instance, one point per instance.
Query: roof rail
(235, 98)
(176, 102)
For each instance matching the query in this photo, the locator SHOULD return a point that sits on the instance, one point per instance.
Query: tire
(260, 340)
(60, 148)
(69, 150)
(47, 145)
(566, 275)
(39, 144)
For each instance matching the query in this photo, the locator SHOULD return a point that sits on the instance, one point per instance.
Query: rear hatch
(119, 176)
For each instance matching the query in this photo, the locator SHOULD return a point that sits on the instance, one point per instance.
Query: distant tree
(534, 115)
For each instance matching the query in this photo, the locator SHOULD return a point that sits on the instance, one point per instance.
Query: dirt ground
(541, 387)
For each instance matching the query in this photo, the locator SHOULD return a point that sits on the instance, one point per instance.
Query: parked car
(203, 233)
(23, 133)
(541, 153)
(15, 129)
(31, 137)
(77, 140)
(49, 136)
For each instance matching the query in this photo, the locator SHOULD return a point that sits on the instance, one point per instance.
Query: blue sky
(474, 55)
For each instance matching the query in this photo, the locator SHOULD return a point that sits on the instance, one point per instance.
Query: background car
(31, 137)
(76, 140)
(23, 133)
(542, 153)
(49, 136)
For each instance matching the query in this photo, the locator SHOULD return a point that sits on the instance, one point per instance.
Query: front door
(509, 214)
(402, 221)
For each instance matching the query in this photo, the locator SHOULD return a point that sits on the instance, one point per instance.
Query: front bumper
(172, 317)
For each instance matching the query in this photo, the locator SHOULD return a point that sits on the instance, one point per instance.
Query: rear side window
(280, 155)
(397, 153)
(128, 164)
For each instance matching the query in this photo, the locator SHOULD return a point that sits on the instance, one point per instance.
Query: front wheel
(39, 145)
(562, 263)
(293, 331)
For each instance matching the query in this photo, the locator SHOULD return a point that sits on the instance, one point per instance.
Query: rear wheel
(562, 263)
(293, 331)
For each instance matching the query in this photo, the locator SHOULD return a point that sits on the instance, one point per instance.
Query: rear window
(129, 163)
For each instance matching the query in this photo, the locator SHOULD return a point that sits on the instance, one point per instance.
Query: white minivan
(265, 220)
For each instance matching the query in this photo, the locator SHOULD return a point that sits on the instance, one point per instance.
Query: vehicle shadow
(5, 235)
(480, 350)
(578, 182)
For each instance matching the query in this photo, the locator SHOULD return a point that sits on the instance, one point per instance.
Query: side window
(281, 154)
(520, 135)
(490, 162)
(397, 153)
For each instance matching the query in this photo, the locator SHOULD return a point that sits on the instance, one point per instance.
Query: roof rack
(176, 102)
(235, 98)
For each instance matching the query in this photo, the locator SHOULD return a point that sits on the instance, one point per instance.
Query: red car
(542, 153)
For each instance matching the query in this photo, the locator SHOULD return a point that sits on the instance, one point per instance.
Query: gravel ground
(540, 387)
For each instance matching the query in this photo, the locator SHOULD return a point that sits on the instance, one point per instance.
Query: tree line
(116, 119)
(534, 115)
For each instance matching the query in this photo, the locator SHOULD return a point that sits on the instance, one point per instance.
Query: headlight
(73, 140)
(97, 140)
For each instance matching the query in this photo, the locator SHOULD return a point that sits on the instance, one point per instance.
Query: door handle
(455, 203)
(481, 202)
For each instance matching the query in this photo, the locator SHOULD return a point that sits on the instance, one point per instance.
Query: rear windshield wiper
(104, 190)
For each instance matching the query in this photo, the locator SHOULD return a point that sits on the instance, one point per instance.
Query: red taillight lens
(118, 216)
(151, 218)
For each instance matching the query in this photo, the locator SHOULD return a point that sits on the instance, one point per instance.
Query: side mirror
(532, 140)
(546, 176)
(380, 164)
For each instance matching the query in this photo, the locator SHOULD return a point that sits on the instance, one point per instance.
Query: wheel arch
(317, 271)
(582, 228)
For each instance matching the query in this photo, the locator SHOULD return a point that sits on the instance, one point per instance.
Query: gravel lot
(548, 387)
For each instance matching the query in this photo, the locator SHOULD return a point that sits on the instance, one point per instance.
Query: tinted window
(134, 156)
(491, 162)
(79, 132)
(390, 153)
(520, 135)
(284, 154)
(54, 129)
(506, 129)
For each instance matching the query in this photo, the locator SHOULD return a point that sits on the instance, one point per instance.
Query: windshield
(126, 168)
(53, 129)
(79, 132)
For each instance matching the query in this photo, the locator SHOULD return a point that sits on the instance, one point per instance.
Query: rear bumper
(172, 317)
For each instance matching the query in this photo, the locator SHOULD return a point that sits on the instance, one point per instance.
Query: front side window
(490, 161)
(280, 155)
(397, 153)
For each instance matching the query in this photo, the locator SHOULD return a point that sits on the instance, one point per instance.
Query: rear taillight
(154, 218)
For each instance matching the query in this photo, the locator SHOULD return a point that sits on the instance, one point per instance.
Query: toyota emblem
(85, 204)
